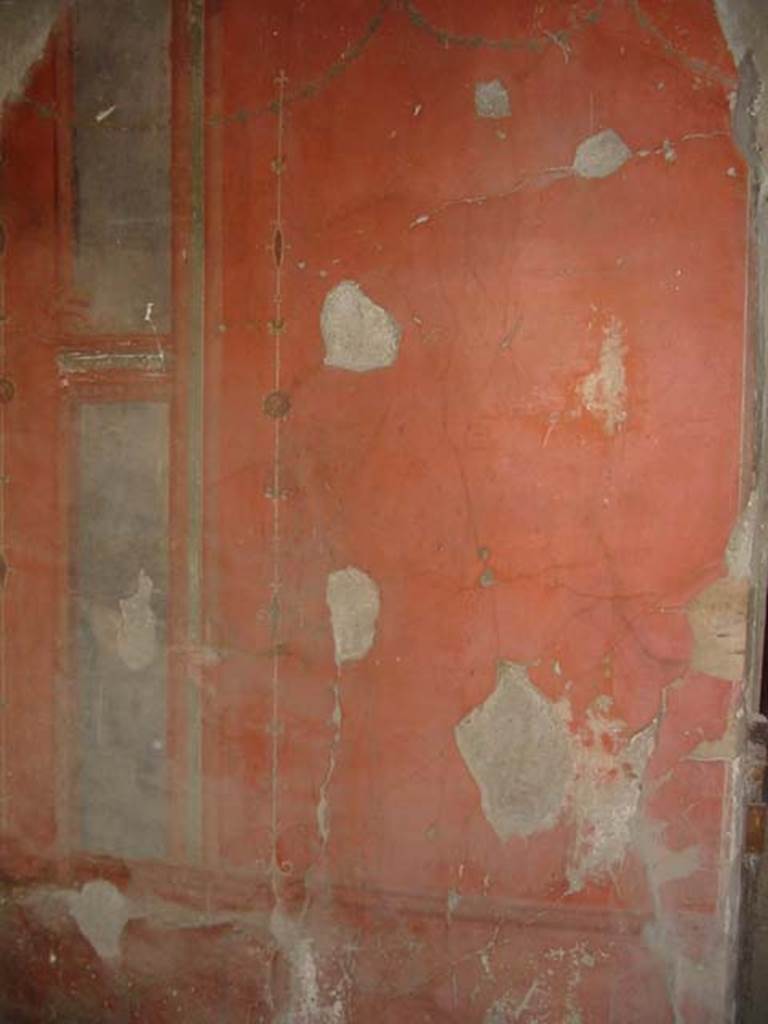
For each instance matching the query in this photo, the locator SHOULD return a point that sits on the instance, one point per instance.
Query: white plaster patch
(354, 602)
(738, 553)
(718, 619)
(603, 392)
(512, 1004)
(358, 334)
(553, 994)
(605, 796)
(323, 800)
(309, 1004)
(601, 155)
(137, 628)
(727, 747)
(516, 747)
(101, 912)
(491, 99)
(662, 864)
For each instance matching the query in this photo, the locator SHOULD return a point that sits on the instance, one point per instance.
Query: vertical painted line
(195, 426)
(4, 794)
(278, 167)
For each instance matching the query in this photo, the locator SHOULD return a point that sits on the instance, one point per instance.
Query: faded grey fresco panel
(122, 147)
(120, 586)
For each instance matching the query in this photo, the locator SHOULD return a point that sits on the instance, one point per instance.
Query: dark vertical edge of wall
(195, 426)
(755, 471)
(745, 787)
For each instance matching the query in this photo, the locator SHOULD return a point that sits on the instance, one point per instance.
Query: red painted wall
(472, 640)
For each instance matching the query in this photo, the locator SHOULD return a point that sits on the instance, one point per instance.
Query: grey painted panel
(120, 582)
(122, 145)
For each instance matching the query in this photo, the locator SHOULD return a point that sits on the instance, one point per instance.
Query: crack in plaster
(323, 808)
(596, 157)
(539, 179)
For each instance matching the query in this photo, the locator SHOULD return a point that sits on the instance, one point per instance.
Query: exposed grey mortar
(101, 912)
(491, 99)
(517, 750)
(358, 334)
(601, 155)
(354, 603)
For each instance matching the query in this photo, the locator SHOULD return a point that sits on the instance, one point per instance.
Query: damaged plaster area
(535, 1001)
(492, 100)
(605, 795)
(718, 620)
(601, 155)
(137, 629)
(531, 771)
(101, 912)
(358, 334)
(718, 615)
(131, 632)
(603, 393)
(354, 602)
(517, 749)
(308, 1004)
